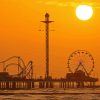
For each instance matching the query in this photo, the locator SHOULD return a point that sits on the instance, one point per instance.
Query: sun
(84, 12)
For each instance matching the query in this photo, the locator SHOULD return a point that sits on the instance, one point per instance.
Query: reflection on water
(51, 94)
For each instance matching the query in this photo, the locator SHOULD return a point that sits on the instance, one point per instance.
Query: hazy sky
(20, 35)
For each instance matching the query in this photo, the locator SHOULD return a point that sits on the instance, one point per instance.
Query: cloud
(96, 5)
(65, 4)
(57, 3)
(51, 2)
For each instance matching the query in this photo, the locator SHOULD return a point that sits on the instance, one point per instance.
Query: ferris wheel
(81, 60)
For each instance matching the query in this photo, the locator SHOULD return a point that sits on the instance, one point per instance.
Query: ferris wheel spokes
(81, 59)
(81, 65)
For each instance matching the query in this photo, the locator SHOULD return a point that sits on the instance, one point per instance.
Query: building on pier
(81, 79)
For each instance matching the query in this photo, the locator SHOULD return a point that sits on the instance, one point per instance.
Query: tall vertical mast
(47, 22)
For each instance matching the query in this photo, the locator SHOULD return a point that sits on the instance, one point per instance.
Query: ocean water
(51, 94)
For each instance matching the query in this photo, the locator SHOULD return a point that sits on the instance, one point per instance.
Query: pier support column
(13, 85)
(32, 84)
(7, 85)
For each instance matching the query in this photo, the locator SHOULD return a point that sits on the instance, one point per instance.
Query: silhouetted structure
(47, 22)
(24, 78)
(78, 77)
(78, 63)
(80, 80)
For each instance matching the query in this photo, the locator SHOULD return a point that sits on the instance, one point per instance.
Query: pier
(7, 82)
(77, 77)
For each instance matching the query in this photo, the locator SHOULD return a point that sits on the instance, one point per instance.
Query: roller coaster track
(24, 71)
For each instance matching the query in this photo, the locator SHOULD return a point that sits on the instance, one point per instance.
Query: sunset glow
(20, 35)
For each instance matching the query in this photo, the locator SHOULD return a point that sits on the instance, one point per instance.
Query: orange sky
(20, 35)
